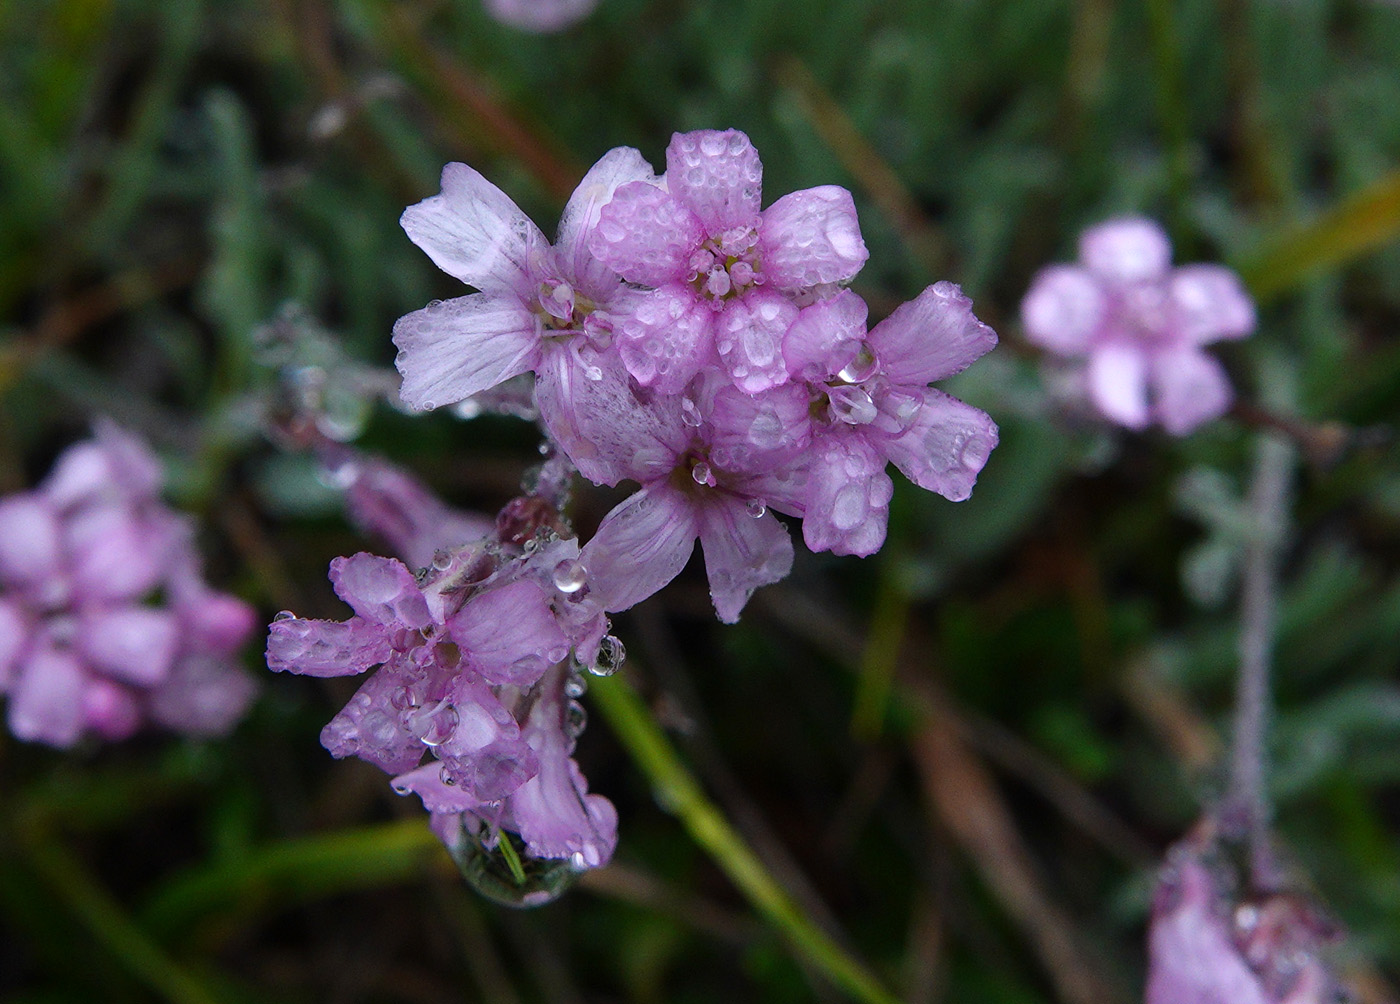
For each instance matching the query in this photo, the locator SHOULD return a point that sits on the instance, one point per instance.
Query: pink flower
(539, 15)
(727, 276)
(1210, 944)
(86, 648)
(1139, 325)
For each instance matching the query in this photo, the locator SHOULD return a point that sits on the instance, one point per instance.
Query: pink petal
(370, 727)
(1063, 310)
(116, 555)
(218, 622)
(326, 648)
(509, 634)
(645, 234)
(453, 349)
(1118, 384)
(620, 166)
(388, 501)
(718, 176)
(587, 402)
(1127, 250)
(381, 590)
(137, 645)
(756, 432)
(640, 546)
(46, 699)
(812, 237)
(1210, 303)
(204, 695)
(1189, 388)
(14, 638)
(931, 337)
(539, 15)
(30, 551)
(668, 339)
(749, 338)
(110, 710)
(742, 552)
(426, 782)
(473, 231)
(825, 336)
(849, 496)
(116, 465)
(946, 447)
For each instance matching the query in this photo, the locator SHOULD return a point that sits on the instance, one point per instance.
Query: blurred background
(963, 757)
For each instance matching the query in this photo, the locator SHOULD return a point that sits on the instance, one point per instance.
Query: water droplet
(495, 864)
(575, 720)
(442, 558)
(611, 655)
(862, 367)
(570, 576)
(468, 409)
(284, 615)
(757, 509)
(690, 413)
(575, 686)
(702, 474)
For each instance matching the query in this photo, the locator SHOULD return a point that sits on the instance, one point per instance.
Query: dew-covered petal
(426, 782)
(371, 727)
(742, 552)
(326, 648)
(46, 698)
(204, 695)
(609, 429)
(1117, 378)
(381, 590)
(825, 337)
(453, 349)
(509, 634)
(473, 231)
(812, 237)
(931, 337)
(619, 166)
(134, 644)
(1063, 310)
(14, 639)
(645, 235)
(754, 433)
(30, 541)
(718, 176)
(848, 497)
(667, 338)
(640, 546)
(1209, 303)
(486, 755)
(749, 338)
(1127, 250)
(1189, 389)
(946, 447)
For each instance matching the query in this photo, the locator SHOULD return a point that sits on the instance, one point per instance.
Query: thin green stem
(679, 792)
(881, 657)
(109, 923)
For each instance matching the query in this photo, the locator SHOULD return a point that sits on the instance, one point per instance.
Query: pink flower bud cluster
(476, 663)
(1134, 326)
(106, 623)
(686, 339)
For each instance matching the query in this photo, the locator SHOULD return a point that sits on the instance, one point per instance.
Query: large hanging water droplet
(570, 576)
(494, 864)
(611, 655)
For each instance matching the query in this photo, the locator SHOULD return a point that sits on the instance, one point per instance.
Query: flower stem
(1247, 808)
(680, 794)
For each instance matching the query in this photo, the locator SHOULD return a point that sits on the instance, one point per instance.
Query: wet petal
(426, 782)
(742, 552)
(453, 349)
(371, 728)
(509, 634)
(848, 497)
(931, 337)
(381, 590)
(326, 648)
(645, 235)
(946, 447)
(620, 166)
(640, 546)
(825, 336)
(717, 175)
(667, 338)
(812, 237)
(1063, 310)
(473, 231)
(749, 338)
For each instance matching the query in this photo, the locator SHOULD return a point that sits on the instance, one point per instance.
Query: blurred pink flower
(539, 15)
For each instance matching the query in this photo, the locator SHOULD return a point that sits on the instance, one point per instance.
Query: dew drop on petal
(757, 509)
(570, 576)
(284, 615)
(611, 655)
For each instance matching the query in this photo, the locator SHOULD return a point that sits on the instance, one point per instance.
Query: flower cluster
(106, 623)
(684, 338)
(1208, 943)
(1135, 326)
(478, 659)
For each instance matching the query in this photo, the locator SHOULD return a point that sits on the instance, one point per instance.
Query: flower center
(561, 308)
(726, 265)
